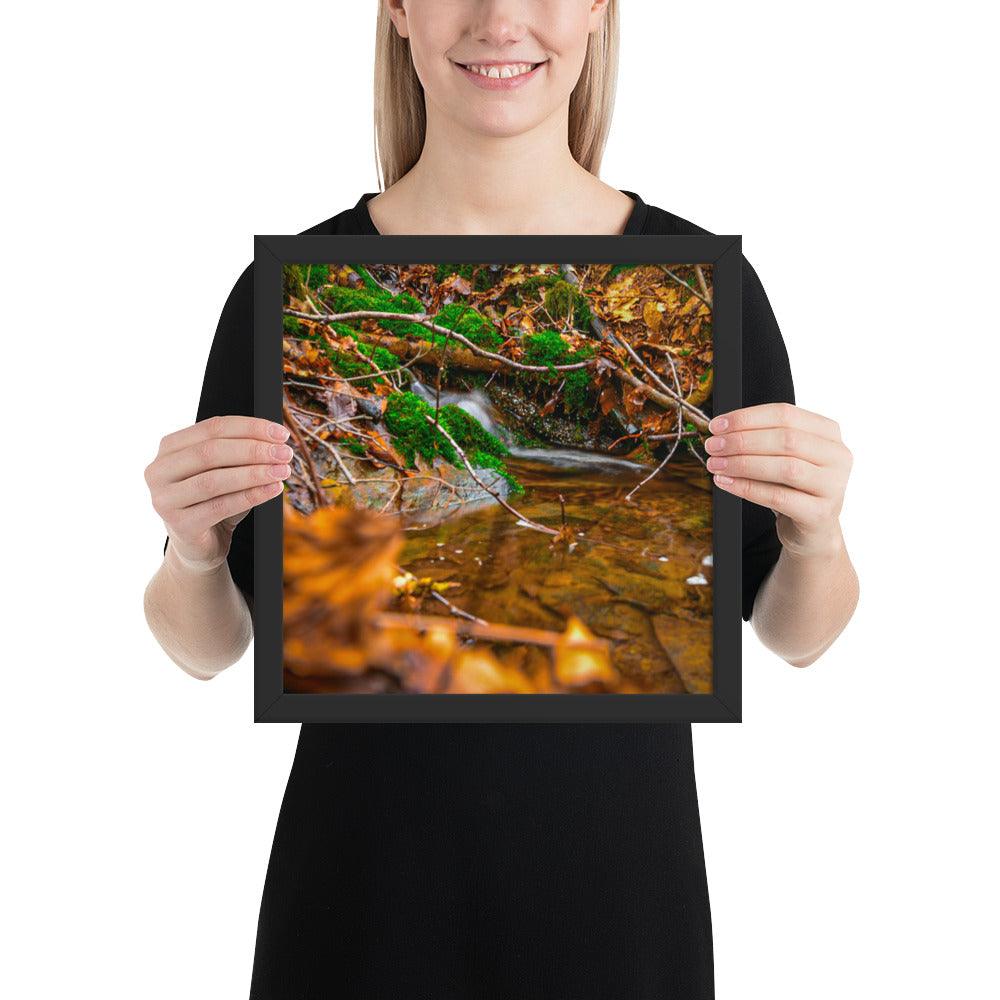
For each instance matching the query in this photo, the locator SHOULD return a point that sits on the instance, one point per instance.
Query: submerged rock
(420, 494)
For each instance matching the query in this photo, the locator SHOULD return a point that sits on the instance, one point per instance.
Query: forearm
(806, 601)
(200, 618)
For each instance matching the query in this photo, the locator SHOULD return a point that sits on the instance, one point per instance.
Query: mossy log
(460, 357)
(432, 354)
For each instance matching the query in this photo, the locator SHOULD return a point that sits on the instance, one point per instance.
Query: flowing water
(639, 573)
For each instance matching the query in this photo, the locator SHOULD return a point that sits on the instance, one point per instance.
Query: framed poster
(498, 508)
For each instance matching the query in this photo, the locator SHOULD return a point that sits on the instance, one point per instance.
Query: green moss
(356, 448)
(483, 460)
(347, 330)
(289, 324)
(547, 347)
(486, 277)
(341, 300)
(537, 281)
(445, 271)
(347, 364)
(384, 360)
(619, 268)
(529, 288)
(291, 281)
(473, 325)
(562, 297)
(369, 282)
(344, 299)
(405, 418)
(317, 275)
(413, 434)
(479, 276)
(469, 433)
(576, 391)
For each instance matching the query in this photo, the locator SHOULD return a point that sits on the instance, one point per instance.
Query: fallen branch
(488, 631)
(293, 427)
(666, 400)
(424, 320)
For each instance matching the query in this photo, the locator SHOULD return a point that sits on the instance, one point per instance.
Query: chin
(501, 126)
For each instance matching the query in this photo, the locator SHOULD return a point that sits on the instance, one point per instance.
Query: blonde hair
(400, 119)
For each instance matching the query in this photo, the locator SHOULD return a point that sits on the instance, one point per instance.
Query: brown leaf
(652, 314)
(608, 399)
(478, 671)
(577, 663)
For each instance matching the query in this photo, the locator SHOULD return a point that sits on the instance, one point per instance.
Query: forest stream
(499, 484)
(639, 574)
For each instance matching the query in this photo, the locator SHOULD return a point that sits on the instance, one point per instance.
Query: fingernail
(718, 424)
(724, 480)
(280, 471)
(279, 433)
(716, 464)
(715, 444)
(281, 452)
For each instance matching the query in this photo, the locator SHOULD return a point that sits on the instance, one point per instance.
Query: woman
(479, 860)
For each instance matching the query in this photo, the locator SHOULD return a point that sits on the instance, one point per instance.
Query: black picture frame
(273, 704)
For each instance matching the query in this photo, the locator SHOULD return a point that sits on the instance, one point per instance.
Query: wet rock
(523, 414)
(689, 646)
(427, 494)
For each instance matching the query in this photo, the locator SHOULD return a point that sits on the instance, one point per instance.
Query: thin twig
(456, 610)
(677, 439)
(681, 281)
(293, 426)
(703, 284)
(496, 496)
(326, 444)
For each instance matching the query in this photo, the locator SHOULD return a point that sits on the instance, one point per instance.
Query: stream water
(638, 575)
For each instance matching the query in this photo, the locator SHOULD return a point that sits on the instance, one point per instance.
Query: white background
(848, 822)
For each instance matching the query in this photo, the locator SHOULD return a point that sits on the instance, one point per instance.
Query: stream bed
(639, 575)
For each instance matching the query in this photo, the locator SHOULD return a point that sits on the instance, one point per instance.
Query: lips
(499, 76)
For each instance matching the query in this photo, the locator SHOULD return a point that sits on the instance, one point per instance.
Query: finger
(777, 441)
(775, 415)
(218, 482)
(227, 426)
(803, 508)
(198, 519)
(218, 453)
(782, 469)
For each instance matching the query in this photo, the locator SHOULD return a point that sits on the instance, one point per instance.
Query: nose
(499, 22)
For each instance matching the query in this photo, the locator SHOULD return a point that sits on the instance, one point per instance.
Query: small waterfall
(477, 404)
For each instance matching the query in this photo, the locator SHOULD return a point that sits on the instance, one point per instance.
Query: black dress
(479, 861)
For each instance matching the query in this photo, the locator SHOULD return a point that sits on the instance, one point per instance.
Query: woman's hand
(206, 478)
(789, 459)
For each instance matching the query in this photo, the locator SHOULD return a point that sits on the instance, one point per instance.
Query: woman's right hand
(206, 478)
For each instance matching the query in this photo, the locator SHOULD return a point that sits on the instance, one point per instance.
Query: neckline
(633, 227)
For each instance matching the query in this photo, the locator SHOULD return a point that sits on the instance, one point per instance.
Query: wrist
(822, 541)
(181, 567)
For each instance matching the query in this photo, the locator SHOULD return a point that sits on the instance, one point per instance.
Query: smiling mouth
(500, 71)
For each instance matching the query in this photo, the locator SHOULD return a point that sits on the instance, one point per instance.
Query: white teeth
(501, 72)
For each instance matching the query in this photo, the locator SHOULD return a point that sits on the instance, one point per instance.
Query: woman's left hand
(789, 459)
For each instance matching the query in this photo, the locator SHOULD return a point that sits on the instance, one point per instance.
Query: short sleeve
(767, 378)
(227, 388)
